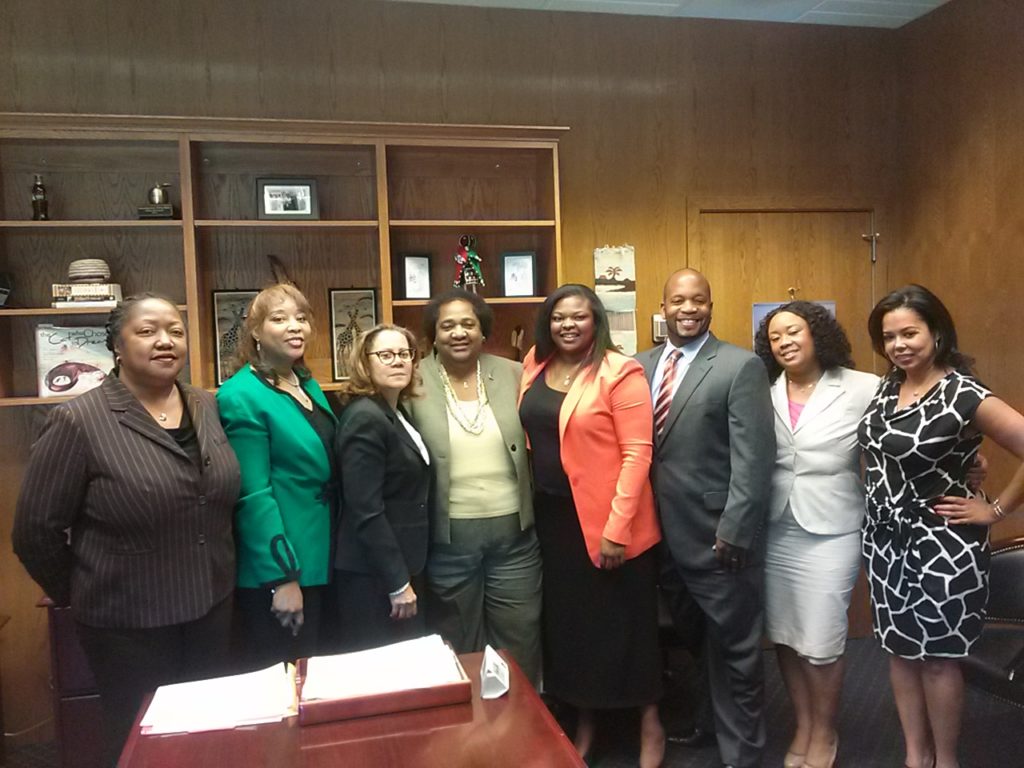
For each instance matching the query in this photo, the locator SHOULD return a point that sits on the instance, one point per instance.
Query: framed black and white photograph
(353, 311)
(287, 199)
(229, 311)
(519, 273)
(417, 277)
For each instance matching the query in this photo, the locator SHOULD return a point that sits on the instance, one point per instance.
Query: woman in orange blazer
(588, 417)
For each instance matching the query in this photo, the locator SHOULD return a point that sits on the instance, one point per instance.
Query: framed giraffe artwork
(229, 311)
(353, 311)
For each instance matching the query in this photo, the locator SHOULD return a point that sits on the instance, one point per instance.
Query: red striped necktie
(663, 401)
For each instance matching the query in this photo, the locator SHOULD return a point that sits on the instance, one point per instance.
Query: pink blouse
(795, 409)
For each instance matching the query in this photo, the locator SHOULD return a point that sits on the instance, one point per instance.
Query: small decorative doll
(468, 273)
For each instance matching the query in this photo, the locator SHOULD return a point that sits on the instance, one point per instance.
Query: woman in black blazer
(141, 473)
(385, 490)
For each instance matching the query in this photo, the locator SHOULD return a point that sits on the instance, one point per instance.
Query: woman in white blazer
(817, 507)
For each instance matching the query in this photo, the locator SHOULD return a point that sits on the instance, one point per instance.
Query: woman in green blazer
(282, 429)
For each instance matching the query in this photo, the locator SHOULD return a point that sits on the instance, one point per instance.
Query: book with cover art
(70, 361)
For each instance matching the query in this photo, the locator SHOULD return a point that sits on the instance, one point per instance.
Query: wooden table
(516, 731)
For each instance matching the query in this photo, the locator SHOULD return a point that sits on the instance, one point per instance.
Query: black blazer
(385, 492)
(151, 539)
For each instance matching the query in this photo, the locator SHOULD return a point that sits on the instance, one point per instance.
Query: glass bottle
(40, 206)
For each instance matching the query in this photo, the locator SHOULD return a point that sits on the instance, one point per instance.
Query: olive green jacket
(501, 380)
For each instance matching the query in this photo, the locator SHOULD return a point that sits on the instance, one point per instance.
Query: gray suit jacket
(151, 532)
(501, 380)
(713, 462)
(817, 470)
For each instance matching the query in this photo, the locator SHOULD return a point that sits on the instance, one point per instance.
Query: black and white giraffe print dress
(929, 580)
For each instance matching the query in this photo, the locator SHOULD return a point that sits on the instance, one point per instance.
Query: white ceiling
(850, 13)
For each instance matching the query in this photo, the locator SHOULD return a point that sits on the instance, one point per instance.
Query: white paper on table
(222, 703)
(425, 662)
(493, 675)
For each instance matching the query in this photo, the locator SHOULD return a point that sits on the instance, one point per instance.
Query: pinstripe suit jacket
(150, 532)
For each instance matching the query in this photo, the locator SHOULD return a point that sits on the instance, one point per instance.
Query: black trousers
(364, 612)
(129, 663)
(261, 640)
(733, 608)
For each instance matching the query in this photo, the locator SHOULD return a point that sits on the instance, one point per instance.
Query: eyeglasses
(387, 356)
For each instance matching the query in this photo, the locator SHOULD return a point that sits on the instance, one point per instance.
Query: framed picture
(353, 311)
(519, 273)
(287, 199)
(229, 311)
(417, 277)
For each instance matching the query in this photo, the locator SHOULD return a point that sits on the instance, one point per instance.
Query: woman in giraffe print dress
(926, 536)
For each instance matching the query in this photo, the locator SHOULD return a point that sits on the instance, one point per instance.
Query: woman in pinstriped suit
(126, 514)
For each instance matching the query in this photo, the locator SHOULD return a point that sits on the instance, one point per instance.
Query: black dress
(929, 580)
(599, 627)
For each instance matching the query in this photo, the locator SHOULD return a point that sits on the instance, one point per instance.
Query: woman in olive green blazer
(282, 428)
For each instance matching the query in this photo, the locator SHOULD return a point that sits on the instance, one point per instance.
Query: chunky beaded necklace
(473, 424)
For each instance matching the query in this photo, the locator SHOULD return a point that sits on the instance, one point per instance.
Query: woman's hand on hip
(612, 555)
(960, 511)
(403, 605)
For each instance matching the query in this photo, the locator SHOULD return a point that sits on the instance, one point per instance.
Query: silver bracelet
(998, 509)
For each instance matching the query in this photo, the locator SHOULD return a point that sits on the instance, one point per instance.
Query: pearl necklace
(473, 425)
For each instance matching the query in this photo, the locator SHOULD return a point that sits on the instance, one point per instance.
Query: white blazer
(817, 470)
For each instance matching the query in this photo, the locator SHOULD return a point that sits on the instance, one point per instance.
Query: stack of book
(90, 295)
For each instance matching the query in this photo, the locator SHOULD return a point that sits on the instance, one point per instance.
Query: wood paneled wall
(660, 110)
(960, 228)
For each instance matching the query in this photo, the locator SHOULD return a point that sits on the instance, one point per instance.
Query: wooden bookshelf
(384, 191)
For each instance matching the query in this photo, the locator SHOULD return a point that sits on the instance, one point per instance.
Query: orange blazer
(606, 429)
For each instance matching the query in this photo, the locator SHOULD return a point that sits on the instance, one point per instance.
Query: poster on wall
(71, 361)
(353, 312)
(623, 329)
(229, 311)
(615, 285)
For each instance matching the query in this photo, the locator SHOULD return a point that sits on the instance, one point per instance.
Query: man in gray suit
(714, 447)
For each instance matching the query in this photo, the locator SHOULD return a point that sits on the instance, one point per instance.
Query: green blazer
(501, 380)
(283, 515)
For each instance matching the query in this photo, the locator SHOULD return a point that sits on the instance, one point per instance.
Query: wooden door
(756, 255)
(753, 254)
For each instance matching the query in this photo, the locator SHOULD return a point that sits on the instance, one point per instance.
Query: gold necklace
(162, 415)
(297, 391)
(801, 387)
(572, 374)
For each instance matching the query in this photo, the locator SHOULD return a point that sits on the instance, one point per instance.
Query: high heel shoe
(793, 760)
(831, 758)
